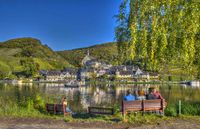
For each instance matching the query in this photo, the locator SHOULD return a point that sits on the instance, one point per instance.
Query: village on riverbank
(96, 69)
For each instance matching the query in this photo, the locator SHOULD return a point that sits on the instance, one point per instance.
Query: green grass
(191, 108)
(187, 109)
(171, 112)
(29, 109)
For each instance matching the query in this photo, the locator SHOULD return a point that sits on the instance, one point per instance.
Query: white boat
(194, 83)
(71, 85)
(74, 84)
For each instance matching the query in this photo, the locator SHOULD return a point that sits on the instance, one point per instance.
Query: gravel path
(33, 123)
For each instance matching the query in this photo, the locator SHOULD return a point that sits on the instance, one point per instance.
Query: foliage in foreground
(186, 109)
(35, 107)
(160, 35)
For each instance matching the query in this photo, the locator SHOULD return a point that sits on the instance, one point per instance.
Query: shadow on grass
(110, 118)
(82, 116)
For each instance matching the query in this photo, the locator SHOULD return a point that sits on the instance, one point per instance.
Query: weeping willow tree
(122, 32)
(161, 34)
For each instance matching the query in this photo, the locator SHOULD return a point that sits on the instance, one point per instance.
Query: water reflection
(99, 95)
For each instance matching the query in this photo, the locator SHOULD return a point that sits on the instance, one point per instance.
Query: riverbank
(41, 123)
(20, 82)
(28, 102)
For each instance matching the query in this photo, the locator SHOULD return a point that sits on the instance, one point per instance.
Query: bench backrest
(153, 104)
(56, 108)
(132, 105)
(143, 105)
(60, 108)
(50, 107)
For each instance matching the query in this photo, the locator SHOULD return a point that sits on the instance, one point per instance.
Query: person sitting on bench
(154, 94)
(141, 95)
(129, 96)
(64, 102)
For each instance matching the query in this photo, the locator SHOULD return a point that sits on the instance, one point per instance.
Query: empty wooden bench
(56, 109)
(143, 106)
(100, 110)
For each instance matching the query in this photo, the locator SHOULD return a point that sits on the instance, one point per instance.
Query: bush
(190, 109)
(116, 108)
(38, 103)
(171, 110)
(187, 108)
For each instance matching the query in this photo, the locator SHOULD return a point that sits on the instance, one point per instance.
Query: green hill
(16, 54)
(106, 52)
(26, 56)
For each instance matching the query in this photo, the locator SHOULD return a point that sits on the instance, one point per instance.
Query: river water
(94, 95)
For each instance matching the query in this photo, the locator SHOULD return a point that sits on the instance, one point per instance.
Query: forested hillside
(106, 52)
(26, 56)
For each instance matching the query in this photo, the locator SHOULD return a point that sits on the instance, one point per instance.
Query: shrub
(171, 110)
(190, 108)
(116, 108)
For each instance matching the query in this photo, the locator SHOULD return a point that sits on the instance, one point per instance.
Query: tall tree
(133, 25)
(142, 34)
(122, 32)
(164, 32)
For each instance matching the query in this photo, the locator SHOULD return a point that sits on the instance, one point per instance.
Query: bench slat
(56, 108)
(143, 105)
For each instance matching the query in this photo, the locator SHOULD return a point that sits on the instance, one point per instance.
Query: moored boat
(73, 84)
(194, 83)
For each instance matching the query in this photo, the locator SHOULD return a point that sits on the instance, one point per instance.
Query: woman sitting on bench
(154, 94)
(64, 102)
(141, 95)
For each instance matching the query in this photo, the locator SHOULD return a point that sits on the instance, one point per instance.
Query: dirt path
(33, 123)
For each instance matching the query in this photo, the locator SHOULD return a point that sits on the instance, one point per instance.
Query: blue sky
(61, 24)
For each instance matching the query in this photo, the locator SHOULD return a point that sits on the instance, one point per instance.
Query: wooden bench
(57, 109)
(100, 110)
(51, 108)
(143, 106)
